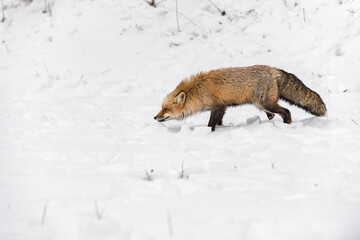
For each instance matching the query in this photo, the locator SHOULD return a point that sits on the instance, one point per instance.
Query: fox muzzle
(160, 118)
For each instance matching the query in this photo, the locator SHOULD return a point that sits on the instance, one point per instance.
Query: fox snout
(160, 118)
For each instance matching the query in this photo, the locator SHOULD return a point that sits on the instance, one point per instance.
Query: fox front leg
(216, 117)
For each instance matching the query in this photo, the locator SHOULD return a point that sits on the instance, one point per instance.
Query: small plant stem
(6, 46)
(148, 176)
(177, 15)
(97, 211)
(182, 171)
(152, 3)
(45, 9)
(47, 70)
(44, 215)
(304, 15)
(3, 11)
(170, 225)
(221, 11)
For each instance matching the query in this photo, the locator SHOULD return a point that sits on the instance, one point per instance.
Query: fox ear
(180, 98)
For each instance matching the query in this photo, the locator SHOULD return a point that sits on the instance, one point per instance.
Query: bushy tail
(292, 90)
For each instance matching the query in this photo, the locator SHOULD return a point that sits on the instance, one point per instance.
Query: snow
(82, 158)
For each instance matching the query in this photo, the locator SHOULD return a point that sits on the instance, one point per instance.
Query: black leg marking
(216, 117)
(283, 112)
(270, 115)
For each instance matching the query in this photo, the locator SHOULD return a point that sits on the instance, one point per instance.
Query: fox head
(172, 107)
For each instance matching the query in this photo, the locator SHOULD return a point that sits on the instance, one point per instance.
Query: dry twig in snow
(3, 11)
(177, 16)
(223, 13)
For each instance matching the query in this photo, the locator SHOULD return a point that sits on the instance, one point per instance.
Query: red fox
(259, 85)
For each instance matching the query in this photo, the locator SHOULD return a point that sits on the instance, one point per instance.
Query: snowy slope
(82, 158)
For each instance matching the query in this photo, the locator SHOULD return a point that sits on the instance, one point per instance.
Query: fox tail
(294, 91)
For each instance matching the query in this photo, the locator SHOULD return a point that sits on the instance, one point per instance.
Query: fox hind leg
(276, 108)
(216, 117)
(270, 115)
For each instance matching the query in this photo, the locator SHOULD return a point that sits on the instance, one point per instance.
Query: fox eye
(166, 109)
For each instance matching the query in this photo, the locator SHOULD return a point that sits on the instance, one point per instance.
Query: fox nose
(155, 117)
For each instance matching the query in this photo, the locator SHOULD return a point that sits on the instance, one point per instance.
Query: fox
(259, 85)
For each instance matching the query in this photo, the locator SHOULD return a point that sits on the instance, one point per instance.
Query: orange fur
(259, 85)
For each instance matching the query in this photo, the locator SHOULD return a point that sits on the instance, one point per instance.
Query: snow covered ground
(82, 158)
